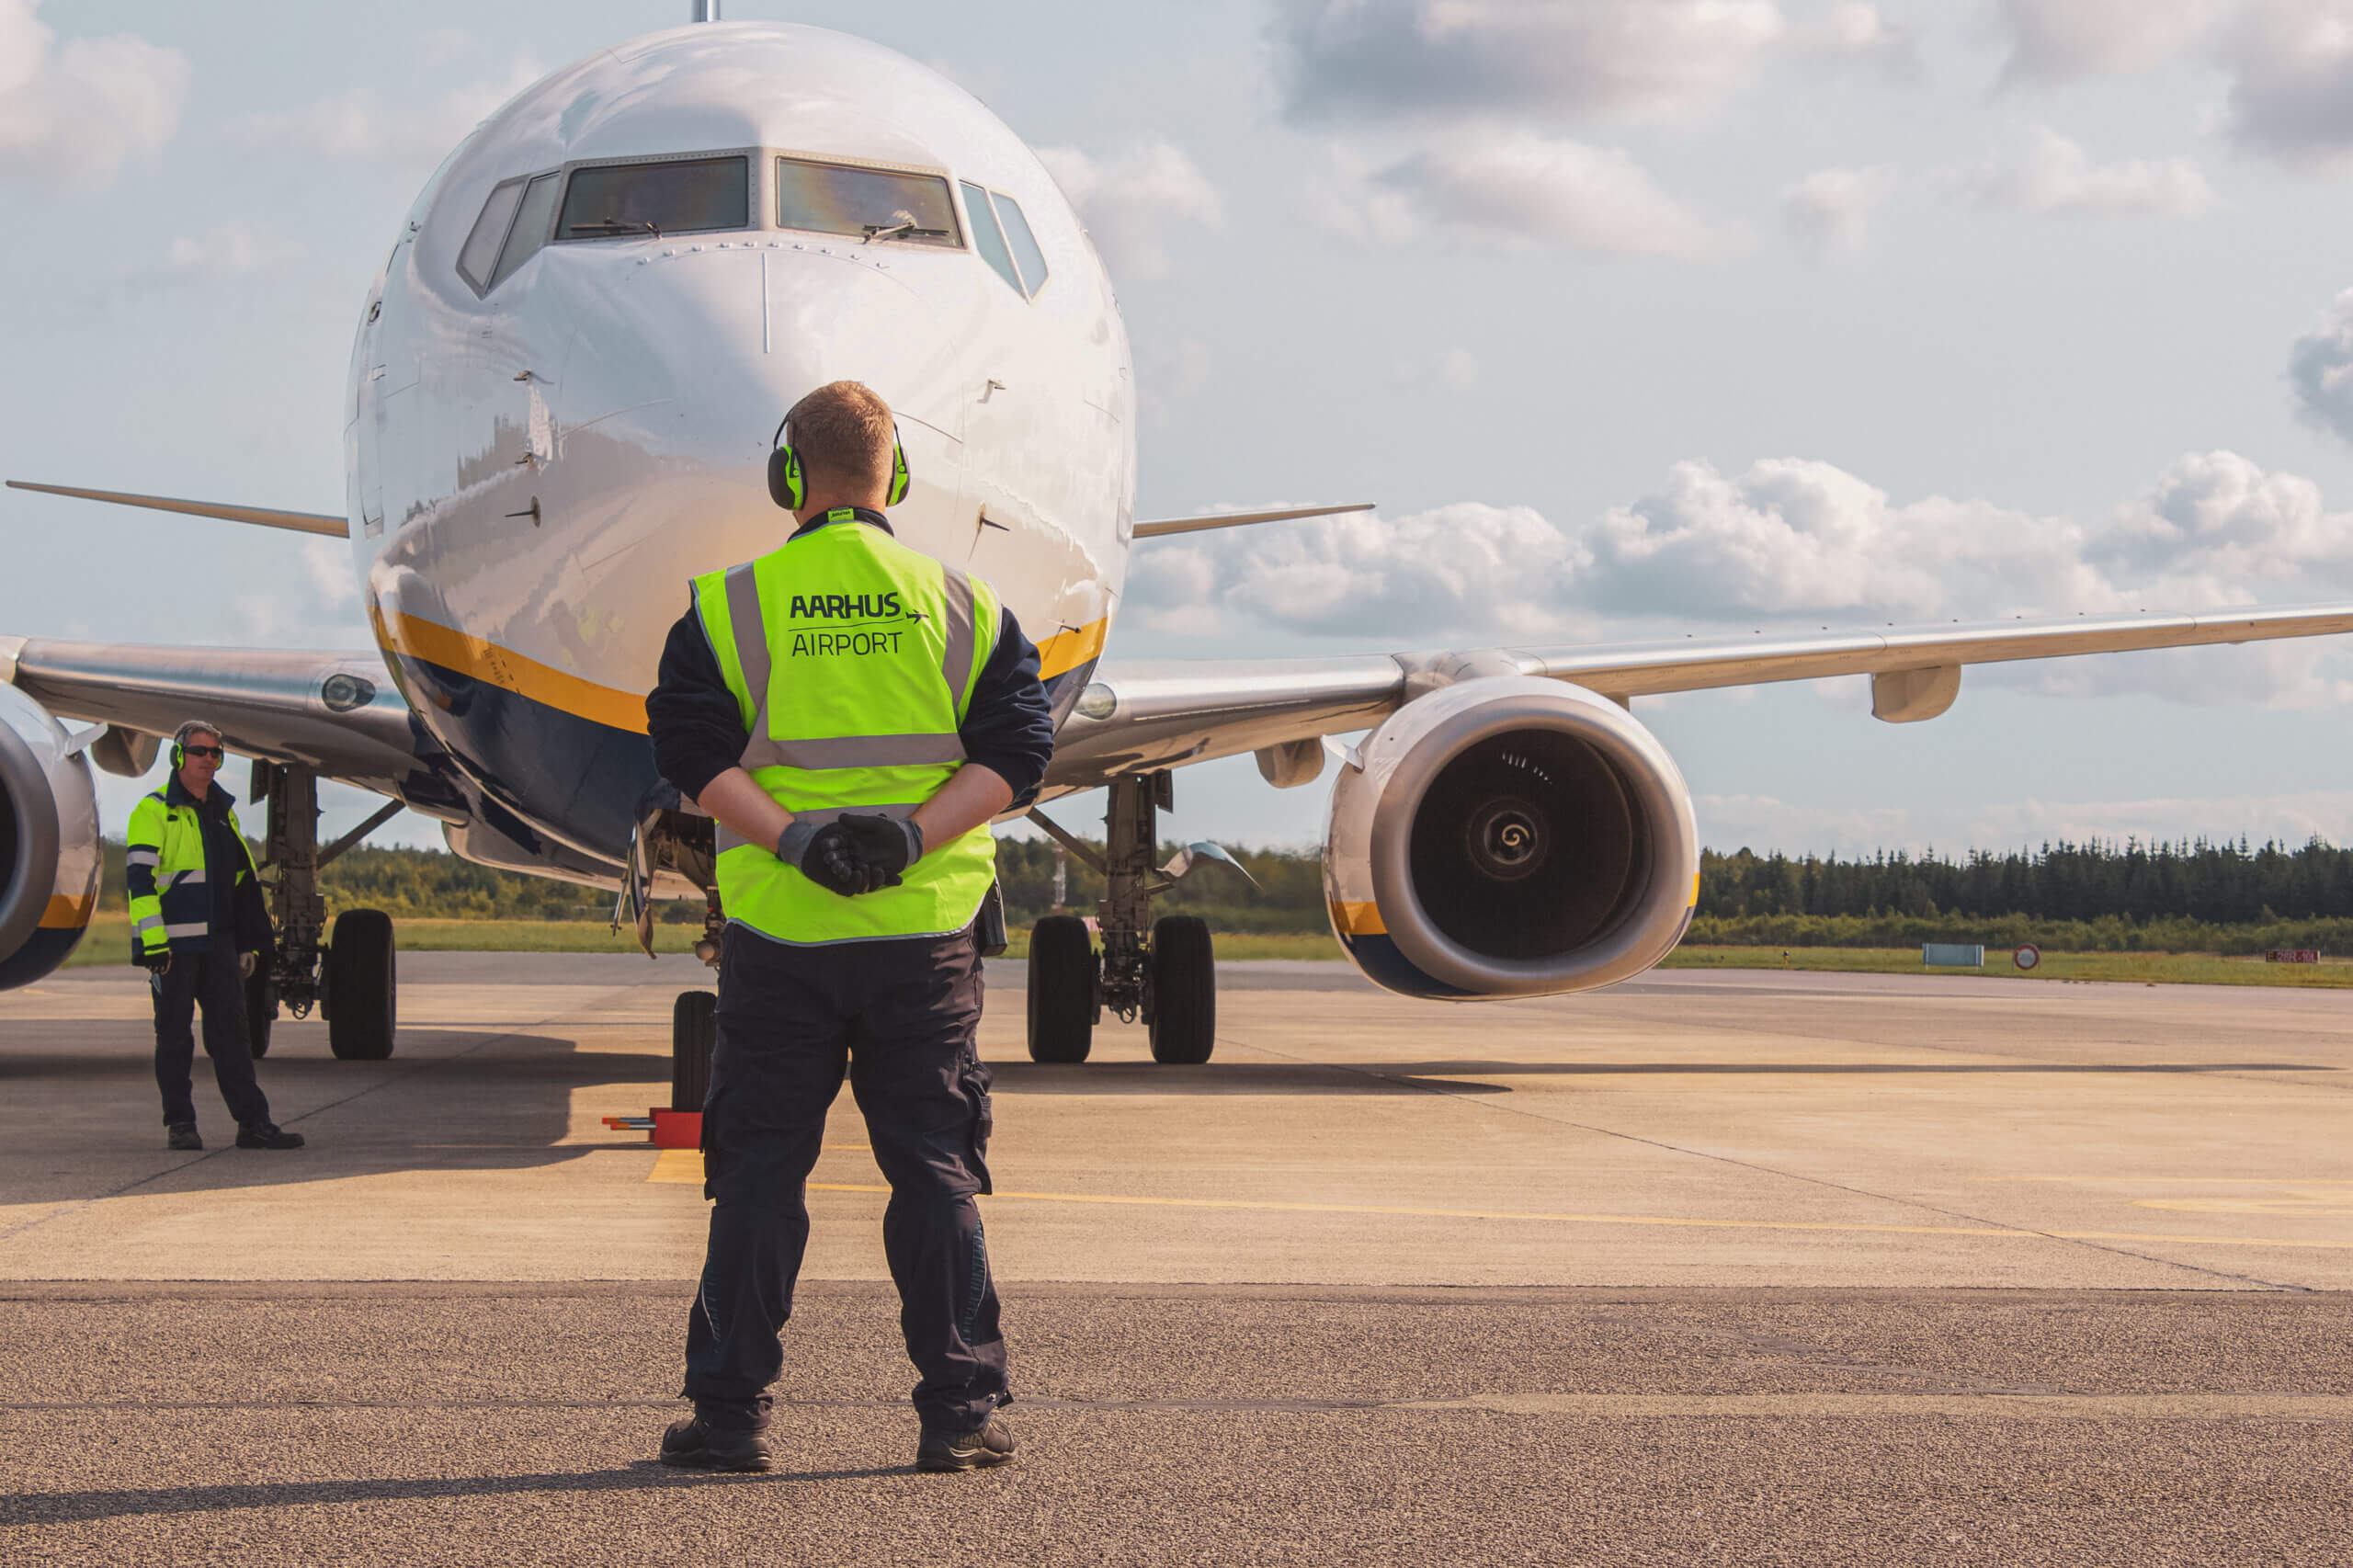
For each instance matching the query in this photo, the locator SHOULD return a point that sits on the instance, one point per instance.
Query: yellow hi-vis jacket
(171, 901)
(852, 658)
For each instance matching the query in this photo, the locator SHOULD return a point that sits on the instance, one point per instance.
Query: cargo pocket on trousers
(975, 1079)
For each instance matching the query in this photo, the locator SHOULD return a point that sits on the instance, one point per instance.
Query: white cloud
(2319, 370)
(2292, 81)
(1573, 60)
(1856, 34)
(2058, 176)
(76, 112)
(2059, 41)
(1458, 369)
(229, 250)
(410, 137)
(1801, 544)
(1129, 200)
(1522, 187)
(1828, 212)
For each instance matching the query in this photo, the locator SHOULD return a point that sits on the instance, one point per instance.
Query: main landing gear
(352, 976)
(1167, 979)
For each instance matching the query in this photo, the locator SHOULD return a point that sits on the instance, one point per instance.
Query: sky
(1636, 317)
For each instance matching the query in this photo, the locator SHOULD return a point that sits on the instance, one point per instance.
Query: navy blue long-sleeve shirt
(698, 730)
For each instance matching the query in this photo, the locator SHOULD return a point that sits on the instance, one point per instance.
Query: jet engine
(49, 841)
(1509, 836)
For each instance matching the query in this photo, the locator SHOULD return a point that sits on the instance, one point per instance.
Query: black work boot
(978, 1449)
(693, 1444)
(181, 1135)
(268, 1136)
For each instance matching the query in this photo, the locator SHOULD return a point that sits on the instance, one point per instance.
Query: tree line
(2198, 895)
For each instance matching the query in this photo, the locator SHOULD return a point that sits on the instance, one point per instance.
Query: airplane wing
(328, 710)
(1167, 714)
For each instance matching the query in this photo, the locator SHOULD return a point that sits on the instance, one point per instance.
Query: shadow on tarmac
(84, 1507)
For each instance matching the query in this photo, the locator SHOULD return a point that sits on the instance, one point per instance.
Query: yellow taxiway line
(685, 1166)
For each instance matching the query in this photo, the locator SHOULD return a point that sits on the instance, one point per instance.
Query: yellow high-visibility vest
(852, 658)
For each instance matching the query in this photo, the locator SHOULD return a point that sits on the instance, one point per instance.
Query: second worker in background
(852, 711)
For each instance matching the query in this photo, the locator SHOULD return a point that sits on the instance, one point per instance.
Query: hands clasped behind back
(855, 855)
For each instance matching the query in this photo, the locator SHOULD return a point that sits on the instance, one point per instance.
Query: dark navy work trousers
(898, 1018)
(211, 981)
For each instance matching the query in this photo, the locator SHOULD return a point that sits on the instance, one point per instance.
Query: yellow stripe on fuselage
(1067, 650)
(483, 660)
(1359, 920)
(68, 914)
(509, 671)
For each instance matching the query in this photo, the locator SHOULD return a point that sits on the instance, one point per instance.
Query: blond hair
(844, 432)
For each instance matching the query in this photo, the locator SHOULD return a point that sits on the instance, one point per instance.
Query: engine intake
(49, 842)
(1509, 837)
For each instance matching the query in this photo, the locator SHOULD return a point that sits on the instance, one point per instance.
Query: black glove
(825, 854)
(886, 844)
(155, 960)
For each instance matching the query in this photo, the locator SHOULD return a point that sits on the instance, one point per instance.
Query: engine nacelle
(1509, 837)
(49, 842)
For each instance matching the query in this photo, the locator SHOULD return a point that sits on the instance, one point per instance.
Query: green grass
(108, 943)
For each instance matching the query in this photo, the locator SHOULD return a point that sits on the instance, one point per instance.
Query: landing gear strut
(1167, 979)
(351, 979)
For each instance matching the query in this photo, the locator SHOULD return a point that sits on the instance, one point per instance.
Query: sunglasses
(215, 753)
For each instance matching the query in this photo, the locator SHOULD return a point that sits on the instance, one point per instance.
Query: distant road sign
(2292, 955)
(2027, 955)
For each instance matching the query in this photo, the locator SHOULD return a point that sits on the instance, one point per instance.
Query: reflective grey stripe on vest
(750, 650)
(821, 815)
(144, 857)
(192, 929)
(148, 923)
(856, 751)
(171, 880)
(956, 665)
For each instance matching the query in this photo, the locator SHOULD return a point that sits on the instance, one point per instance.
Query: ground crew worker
(197, 927)
(852, 713)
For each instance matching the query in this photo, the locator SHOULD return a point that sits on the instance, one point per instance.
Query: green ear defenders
(789, 482)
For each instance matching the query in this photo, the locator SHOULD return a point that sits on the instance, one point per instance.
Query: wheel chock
(664, 1127)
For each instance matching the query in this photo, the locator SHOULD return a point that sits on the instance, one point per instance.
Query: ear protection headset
(789, 481)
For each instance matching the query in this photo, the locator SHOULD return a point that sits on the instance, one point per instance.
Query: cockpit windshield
(874, 204)
(680, 197)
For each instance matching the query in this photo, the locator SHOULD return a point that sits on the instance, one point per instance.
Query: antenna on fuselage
(705, 11)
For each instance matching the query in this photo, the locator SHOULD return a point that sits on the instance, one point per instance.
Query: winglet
(300, 522)
(1161, 526)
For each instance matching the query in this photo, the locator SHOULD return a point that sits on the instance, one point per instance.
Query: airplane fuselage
(558, 415)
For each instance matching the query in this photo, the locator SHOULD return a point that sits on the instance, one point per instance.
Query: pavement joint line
(1590, 1404)
(2093, 1240)
(406, 1071)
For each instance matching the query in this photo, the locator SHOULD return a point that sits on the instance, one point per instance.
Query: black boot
(692, 1445)
(181, 1135)
(268, 1136)
(979, 1449)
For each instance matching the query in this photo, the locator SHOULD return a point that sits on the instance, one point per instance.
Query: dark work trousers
(899, 1017)
(208, 980)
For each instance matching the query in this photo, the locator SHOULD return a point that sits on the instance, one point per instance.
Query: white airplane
(563, 390)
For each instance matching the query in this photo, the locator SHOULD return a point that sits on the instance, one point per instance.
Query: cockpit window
(681, 197)
(1026, 254)
(530, 229)
(874, 204)
(480, 252)
(988, 239)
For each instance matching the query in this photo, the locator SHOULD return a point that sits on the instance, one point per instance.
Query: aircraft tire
(261, 1009)
(362, 978)
(694, 1029)
(1061, 990)
(1183, 991)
